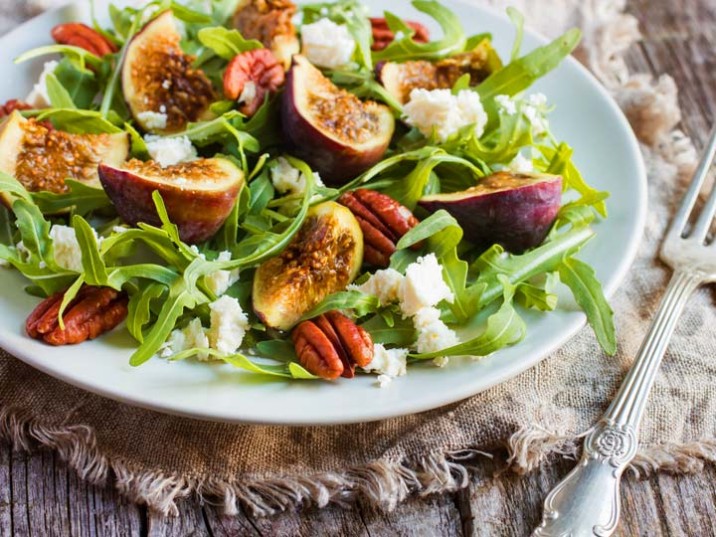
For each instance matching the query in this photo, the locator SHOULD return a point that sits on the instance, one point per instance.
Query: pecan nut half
(250, 76)
(82, 36)
(384, 36)
(383, 222)
(332, 345)
(94, 311)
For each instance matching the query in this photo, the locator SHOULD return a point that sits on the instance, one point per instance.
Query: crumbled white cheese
(534, 109)
(390, 362)
(423, 286)
(168, 151)
(433, 334)
(248, 94)
(66, 247)
(192, 336)
(327, 44)
(441, 361)
(384, 284)
(153, 120)
(507, 104)
(38, 97)
(229, 324)
(384, 381)
(289, 180)
(521, 164)
(439, 111)
(219, 282)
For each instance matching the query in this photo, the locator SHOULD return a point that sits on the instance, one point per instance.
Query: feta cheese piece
(68, 254)
(289, 180)
(38, 97)
(423, 286)
(433, 334)
(168, 151)
(521, 164)
(507, 104)
(439, 111)
(192, 336)
(384, 284)
(229, 324)
(327, 44)
(153, 120)
(535, 109)
(441, 361)
(390, 362)
(384, 381)
(219, 282)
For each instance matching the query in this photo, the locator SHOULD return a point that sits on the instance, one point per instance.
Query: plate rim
(571, 327)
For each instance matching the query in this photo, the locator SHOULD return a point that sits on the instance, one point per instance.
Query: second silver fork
(586, 502)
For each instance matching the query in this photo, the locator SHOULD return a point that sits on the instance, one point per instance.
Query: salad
(301, 192)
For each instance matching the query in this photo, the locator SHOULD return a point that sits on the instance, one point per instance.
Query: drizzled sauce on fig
(48, 157)
(344, 114)
(265, 19)
(201, 170)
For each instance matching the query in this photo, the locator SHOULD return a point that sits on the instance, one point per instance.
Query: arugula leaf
(82, 199)
(403, 49)
(226, 43)
(139, 309)
(77, 121)
(78, 56)
(13, 188)
(80, 84)
(398, 331)
(587, 291)
(359, 302)
(538, 297)
(519, 21)
(93, 267)
(59, 97)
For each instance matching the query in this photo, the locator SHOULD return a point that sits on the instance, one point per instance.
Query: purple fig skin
(198, 214)
(515, 211)
(336, 161)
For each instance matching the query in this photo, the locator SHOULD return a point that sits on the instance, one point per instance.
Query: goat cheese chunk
(153, 120)
(327, 44)
(219, 282)
(433, 334)
(169, 151)
(423, 286)
(289, 180)
(192, 336)
(506, 104)
(229, 324)
(68, 254)
(38, 97)
(444, 114)
(389, 362)
(521, 164)
(384, 284)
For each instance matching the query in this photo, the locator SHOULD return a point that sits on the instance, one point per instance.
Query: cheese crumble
(327, 44)
(441, 113)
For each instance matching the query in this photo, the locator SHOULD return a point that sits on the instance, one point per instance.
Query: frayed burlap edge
(652, 108)
(382, 483)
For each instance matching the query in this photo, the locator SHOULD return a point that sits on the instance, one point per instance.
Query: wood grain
(40, 496)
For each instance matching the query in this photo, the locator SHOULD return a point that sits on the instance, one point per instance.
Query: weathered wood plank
(5, 491)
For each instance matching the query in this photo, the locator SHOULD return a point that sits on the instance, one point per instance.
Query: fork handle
(586, 502)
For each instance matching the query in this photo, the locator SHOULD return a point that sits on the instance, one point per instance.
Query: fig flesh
(323, 258)
(162, 89)
(402, 78)
(515, 210)
(198, 195)
(42, 158)
(269, 21)
(330, 128)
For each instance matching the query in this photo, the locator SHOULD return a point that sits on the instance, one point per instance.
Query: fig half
(162, 89)
(323, 258)
(198, 195)
(42, 158)
(335, 132)
(402, 78)
(515, 210)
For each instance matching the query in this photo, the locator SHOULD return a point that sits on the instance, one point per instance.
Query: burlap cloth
(159, 459)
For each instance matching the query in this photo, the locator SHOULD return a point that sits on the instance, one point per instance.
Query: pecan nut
(250, 76)
(12, 105)
(82, 36)
(332, 345)
(384, 36)
(94, 311)
(383, 222)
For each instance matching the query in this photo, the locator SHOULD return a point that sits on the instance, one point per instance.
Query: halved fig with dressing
(270, 22)
(401, 78)
(323, 258)
(198, 195)
(515, 210)
(162, 89)
(42, 158)
(339, 135)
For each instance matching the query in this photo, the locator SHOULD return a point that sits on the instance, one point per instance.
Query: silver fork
(586, 502)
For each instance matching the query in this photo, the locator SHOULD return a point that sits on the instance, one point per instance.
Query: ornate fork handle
(586, 502)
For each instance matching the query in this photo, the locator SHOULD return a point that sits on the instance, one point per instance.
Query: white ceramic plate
(605, 149)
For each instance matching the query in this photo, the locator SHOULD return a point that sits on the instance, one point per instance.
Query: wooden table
(40, 496)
